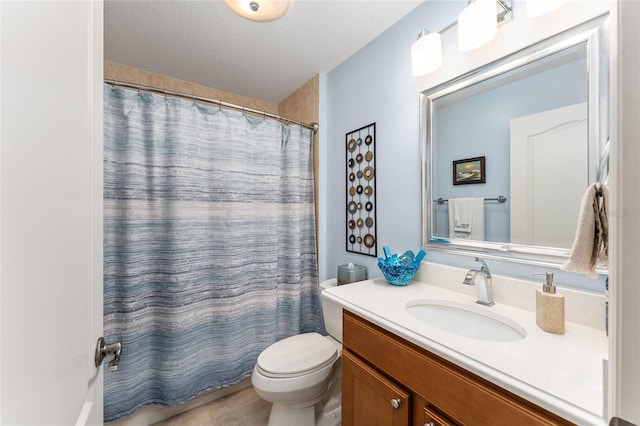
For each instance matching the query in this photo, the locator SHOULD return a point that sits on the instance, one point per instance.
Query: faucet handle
(484, 268)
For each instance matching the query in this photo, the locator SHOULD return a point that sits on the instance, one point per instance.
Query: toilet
(300, 375)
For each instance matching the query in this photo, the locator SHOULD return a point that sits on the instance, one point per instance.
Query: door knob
(396, 403)
(103, 350)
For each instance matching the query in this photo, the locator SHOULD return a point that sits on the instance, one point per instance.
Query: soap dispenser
(549, 307)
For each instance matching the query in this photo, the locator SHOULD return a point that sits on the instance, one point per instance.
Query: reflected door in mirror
(549, 174)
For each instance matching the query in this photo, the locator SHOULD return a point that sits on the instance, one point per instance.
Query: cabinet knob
(396, 403)
(429, 424)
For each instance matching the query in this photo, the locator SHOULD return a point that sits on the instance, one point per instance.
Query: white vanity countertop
(562, 373)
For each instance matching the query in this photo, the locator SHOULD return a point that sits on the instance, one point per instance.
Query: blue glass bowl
(398, 274)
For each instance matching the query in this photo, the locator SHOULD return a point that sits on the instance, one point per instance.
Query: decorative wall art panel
(360, 207)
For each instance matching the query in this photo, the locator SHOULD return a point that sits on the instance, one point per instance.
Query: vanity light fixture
(537, 8)
(259, 10)
(477, 25)
(426, 53)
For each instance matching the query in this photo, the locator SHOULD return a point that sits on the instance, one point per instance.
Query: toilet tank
(331, 312)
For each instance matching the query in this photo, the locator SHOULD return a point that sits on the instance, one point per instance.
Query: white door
(549, 174)
(50, 212)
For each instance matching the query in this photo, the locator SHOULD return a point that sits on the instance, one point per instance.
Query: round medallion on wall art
(369, 172)
(369, 240)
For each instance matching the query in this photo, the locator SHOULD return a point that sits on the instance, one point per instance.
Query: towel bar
(501, 199)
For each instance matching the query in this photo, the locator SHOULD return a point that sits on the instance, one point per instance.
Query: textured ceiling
(204, 42)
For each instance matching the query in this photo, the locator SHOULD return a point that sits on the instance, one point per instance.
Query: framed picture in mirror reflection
(469, 170)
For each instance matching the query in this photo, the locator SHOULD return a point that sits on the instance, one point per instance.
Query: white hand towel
(466, 218)
(591, 245)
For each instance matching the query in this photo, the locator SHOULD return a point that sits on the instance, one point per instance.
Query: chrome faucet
(485, 291)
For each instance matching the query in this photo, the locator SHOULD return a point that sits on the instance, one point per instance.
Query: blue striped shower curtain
(209, 245)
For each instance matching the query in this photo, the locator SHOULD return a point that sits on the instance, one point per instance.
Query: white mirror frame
(595, 34)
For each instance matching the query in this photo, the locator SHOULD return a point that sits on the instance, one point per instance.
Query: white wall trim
(624, 346)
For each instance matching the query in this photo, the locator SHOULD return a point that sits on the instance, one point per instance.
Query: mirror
(508, 150)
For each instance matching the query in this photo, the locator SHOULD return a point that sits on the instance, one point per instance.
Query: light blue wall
(376, 85)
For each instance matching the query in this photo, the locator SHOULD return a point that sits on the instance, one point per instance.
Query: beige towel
(603, 232)
(591, 245)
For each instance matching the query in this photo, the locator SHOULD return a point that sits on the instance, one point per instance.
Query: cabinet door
(370, 399)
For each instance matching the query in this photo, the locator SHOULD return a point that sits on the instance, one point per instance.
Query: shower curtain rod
(312, 126)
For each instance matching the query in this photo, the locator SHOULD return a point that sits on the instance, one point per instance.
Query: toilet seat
(296, 356)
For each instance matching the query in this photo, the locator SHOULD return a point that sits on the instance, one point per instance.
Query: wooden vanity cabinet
(376, 401)
(379, 367)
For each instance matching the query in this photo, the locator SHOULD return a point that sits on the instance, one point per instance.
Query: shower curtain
(209, 245)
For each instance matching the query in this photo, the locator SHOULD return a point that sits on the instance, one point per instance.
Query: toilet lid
(297, 355)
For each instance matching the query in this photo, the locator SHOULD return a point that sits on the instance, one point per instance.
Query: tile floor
(243, 408)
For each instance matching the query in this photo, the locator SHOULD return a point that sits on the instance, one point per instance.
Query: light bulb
(426, 53)
(477, 25)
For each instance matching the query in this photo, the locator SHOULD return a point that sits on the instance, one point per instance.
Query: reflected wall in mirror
(539, 119)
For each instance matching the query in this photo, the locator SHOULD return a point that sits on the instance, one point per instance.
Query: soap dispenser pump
(549, 307)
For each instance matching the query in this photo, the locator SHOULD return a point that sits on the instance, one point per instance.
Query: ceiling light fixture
(259, 10)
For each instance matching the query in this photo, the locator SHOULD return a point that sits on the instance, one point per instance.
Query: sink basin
(466, 320)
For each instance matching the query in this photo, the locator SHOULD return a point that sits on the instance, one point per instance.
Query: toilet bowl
(300, 375)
